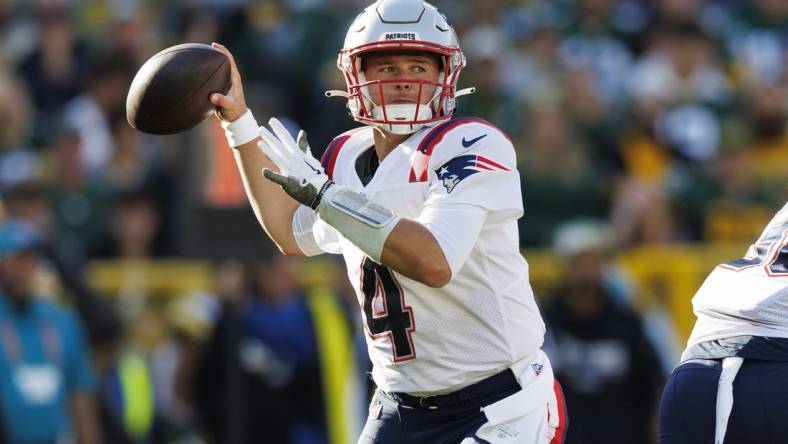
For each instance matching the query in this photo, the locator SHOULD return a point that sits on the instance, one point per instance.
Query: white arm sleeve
(303, 225)
(456, 227)
(312, 235)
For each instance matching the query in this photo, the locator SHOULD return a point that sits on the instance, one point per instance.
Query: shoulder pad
(329, 158)
(460, 136)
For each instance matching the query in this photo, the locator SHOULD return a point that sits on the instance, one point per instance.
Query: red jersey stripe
(487, 163)
(331, 153)
(418, 171)
(563, 418)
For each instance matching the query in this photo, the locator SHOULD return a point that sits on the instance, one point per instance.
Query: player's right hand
(300, 174)
(230, 106)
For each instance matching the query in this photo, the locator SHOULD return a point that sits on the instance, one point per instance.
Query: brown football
(169, 93)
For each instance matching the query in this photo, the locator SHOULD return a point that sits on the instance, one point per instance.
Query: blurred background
(652, 145)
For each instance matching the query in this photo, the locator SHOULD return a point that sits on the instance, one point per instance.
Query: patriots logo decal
(457, 169)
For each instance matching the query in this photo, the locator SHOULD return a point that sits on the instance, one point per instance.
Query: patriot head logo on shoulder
(457, 169)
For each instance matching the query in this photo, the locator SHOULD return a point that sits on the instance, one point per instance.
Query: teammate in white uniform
(732, 384)
(423, 207)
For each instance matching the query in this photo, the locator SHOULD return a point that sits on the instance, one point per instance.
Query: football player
(732, 383)
(423, 207)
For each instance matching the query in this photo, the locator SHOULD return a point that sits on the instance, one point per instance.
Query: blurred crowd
(666, 119)
(659, 121)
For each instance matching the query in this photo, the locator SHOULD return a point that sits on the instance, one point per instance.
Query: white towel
(537, 387)
(730, 367)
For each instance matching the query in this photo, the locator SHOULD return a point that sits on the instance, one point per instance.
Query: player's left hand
(300, 174)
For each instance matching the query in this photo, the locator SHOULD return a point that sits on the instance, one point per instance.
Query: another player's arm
(273, 207)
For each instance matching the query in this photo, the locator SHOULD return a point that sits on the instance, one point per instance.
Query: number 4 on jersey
(385, 312)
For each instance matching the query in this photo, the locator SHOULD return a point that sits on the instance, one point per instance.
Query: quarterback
(732, 384)
(423, 208)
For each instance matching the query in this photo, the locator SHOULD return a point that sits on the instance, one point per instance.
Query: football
(169, 93)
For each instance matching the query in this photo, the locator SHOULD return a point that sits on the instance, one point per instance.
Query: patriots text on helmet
(400, 36)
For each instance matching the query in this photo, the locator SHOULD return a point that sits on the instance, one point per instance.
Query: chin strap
(465, 92)
(337, 93)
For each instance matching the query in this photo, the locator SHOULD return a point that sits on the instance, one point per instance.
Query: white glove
(365, 223)
(300, 174)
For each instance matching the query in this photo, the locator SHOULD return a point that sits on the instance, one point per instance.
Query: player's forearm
(412, 250)
(273, 207)
(405, 246)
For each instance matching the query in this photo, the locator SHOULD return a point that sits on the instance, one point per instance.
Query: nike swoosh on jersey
(467, 143)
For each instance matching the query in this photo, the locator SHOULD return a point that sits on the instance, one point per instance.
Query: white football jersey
(425, 340)
(748, 296)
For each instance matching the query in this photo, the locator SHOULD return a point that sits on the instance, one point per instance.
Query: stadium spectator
(602, 355)
(767, 120)
(263, 370)
(18, 162)
(17, 31)
(133, 227)
(755, 42)
(79, 200)
(27, 203)
(45, 373)
(173, 363)
(556, 167)
(55, 72)
(88, 114)
(680, 81)
(125, 395)
(131, 164)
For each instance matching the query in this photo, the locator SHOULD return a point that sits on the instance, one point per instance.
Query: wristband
(242, 130)
(320, 194)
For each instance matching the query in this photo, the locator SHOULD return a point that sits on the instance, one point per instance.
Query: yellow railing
(160, 277)
(667, 275)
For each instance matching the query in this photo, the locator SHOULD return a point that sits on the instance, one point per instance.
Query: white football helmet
(401, 26)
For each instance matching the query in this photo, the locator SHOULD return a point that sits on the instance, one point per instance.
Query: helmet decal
(404, 35)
